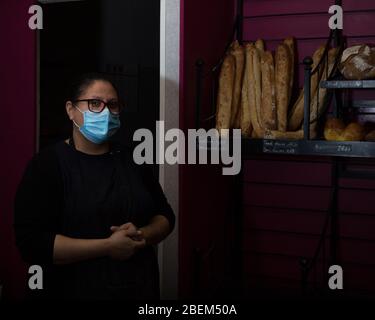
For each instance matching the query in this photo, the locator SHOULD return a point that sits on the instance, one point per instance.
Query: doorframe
(169, 112)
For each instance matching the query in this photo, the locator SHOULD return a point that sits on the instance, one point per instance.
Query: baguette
(233, 46)
(237, 120)
(244, 112)
(268, 103)
(296, 113)
(291, 46)
(317, 103)
(238, 54)
(282, 83)
(225, 93)
(259, 44)
(254, 89)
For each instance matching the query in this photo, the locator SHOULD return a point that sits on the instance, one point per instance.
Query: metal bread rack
(303, 147)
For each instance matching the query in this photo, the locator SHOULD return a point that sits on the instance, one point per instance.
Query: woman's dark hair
(83, 81)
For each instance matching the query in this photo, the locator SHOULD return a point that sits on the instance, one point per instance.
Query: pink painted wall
(17, 137)
(286, 201)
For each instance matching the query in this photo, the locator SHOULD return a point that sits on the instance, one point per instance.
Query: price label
(280, 147)
(344, 148)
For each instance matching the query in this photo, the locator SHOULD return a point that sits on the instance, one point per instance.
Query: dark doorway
(119, 38)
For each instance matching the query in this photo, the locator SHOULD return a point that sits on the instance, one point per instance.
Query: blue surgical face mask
(98, 127)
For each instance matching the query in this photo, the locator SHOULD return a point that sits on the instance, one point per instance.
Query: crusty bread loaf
(254, 89)
(353, 132)
(291, 46)
(282, 83)
(296, 113)
(370, 136)
(244, 117)
(239, 56)
(225, 93)
(333, 129)
(259, 44)
(258, 85)
(348, 52)
(255, 135)
(358, 62)
(233, 46)
(237, 120)
(268, 106)
(317, 101)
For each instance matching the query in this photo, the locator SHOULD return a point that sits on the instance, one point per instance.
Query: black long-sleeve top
(65, 191)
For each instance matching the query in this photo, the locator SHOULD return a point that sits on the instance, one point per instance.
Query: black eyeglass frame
(103, 105)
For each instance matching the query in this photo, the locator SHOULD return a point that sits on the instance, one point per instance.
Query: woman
(86, 213)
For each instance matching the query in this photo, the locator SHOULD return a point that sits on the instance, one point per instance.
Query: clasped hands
(125, 241)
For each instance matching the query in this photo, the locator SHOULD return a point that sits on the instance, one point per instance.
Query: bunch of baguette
(255, 91)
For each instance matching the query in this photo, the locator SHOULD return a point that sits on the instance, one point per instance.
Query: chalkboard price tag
(280, 147)
(333, 148)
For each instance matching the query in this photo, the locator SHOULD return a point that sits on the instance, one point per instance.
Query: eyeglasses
(97, 105)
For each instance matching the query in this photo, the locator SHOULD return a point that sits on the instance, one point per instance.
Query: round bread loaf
(358, 63)
(353, 132)
(333, 129)
(370, 136)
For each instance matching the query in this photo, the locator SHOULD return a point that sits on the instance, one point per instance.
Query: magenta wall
(286, 199)
(17, 137)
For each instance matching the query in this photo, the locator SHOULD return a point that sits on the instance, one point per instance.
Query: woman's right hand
(122, 247)
(133, 231)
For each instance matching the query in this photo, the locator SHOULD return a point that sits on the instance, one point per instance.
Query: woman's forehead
(101, 90)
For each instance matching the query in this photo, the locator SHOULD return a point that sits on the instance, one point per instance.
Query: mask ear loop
(71, 140)
(75, 123)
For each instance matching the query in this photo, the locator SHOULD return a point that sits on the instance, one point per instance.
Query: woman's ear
(69, 109)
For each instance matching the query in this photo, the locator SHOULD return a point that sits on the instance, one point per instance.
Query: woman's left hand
(131, 230)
